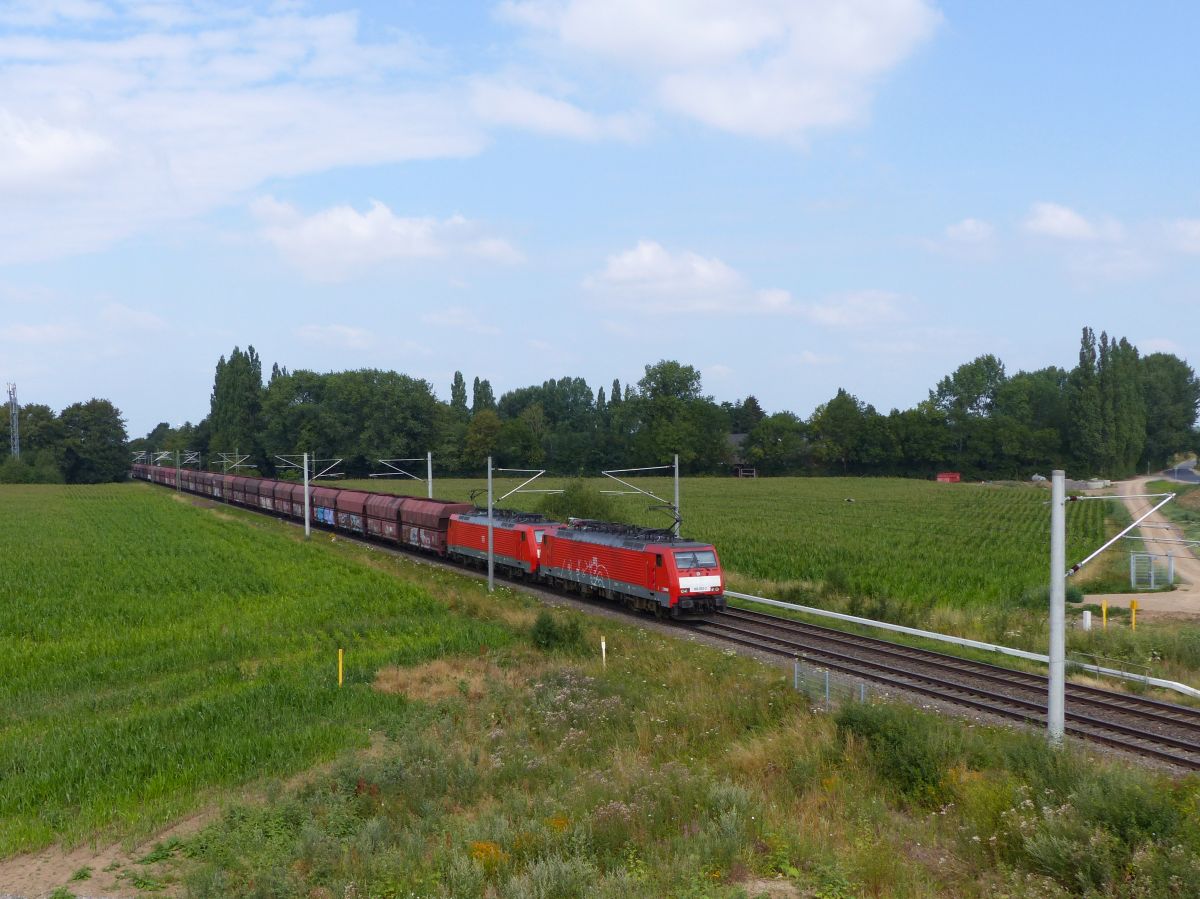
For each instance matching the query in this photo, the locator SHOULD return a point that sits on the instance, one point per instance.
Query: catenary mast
(14, 432)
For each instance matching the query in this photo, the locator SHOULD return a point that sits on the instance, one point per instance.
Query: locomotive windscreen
(695, 558)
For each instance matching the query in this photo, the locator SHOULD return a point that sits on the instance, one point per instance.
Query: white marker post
(429, 474)
(1055, 707)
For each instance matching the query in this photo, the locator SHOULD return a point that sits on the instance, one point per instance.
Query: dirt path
(1185, 598)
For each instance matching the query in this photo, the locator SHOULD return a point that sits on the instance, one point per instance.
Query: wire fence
(829, 689)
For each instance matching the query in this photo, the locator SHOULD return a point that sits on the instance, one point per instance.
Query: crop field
(161, 655)
(149, 653)
(919, 542)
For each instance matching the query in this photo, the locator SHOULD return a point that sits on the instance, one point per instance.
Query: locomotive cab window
(538, 535)
(658, 561)
(696, 558)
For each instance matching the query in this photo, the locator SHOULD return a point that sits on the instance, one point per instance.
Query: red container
(324, 505)
(351, 510)
(383, 516)
(238, 490)
(424, 522)
(282, 495)
(266, 494)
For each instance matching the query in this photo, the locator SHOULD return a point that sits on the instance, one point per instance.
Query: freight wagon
(643, 568)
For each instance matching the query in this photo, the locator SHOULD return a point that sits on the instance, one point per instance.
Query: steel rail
(964, 641)
(1151, 709)
(965, 695)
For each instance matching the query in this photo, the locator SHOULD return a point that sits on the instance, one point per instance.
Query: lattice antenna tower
(14, 422)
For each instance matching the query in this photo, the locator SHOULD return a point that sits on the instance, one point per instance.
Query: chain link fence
(829, 689)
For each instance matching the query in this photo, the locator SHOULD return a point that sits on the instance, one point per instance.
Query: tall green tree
(236, 404)
(94, 443)
(1087, 420)
(458, 394)
(482, 397)
(1171, 394)
(482, 438)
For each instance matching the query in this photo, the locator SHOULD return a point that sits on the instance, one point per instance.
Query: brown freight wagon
(383, 516)
(424, 522)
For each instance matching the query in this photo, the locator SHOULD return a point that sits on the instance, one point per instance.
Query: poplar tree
(458, 393)
(236, 404)
(1085, 431)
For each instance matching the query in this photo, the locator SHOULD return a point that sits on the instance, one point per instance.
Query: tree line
(1114, 413)
(83, 444)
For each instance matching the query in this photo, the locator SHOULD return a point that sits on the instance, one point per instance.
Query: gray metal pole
(677, 515)
(429, 474)
(1055, 708)
(307, 511)
(491, 549)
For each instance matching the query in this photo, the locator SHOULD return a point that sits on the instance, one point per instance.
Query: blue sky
(791, 195)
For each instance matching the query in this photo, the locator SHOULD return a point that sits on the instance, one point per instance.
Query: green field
(160, 654)
(149, 653)
(922, 543)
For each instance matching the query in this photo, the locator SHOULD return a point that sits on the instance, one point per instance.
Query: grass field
(149, 653)
(156, 653)
(918, 542)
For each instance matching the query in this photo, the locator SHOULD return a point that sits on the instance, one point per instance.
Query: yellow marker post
(340, 653)
(1104, 613)
(1133, 614)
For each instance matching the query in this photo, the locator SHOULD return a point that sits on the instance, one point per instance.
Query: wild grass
(680, 771)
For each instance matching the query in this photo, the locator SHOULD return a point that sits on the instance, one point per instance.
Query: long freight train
(643, 568)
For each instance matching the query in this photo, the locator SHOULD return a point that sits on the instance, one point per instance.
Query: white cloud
(718, 371)
(458, 319)
(513, 105)
(970, 231)
(809, 358)
(1184, 235)
(768, 68)
(40, 335)
(337, 335)
(1159, 345)
(36, 155)
(121, 316)
(1064, 223)
(182, 109)
(339, 242)
(653, 279)
(860, 309)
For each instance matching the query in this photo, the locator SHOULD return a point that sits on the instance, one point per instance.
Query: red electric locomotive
(644, 568)
(517, 539)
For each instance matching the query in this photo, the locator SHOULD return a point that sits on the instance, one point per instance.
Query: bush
(1039, 597)
(549, 634)
(911, 751)
(579, 500)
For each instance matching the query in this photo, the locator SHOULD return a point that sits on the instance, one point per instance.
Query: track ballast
(1161, 730)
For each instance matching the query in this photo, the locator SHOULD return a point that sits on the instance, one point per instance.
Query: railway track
(1148, 727)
